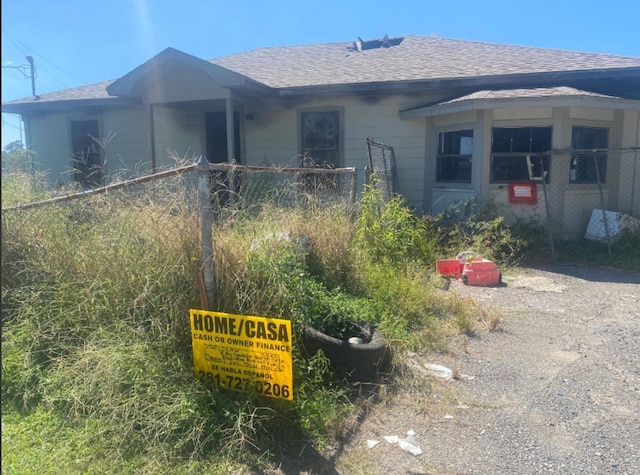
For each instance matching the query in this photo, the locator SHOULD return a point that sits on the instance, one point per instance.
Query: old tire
(360, 361)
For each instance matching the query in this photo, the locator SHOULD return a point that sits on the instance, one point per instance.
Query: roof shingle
(416, 58)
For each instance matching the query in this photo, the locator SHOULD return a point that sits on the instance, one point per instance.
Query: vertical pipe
(33, 77)
(602, 204)
(206, 223)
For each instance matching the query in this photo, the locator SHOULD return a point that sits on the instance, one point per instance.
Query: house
(466, 120)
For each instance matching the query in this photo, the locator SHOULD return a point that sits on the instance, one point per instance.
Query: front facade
(466, 120)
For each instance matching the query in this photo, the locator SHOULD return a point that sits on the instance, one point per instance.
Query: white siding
(49, 139)
(125, 133)
(123, 137)
(178, 135)
(273, 137)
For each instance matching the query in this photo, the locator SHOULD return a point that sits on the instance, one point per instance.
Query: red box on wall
(523, 193)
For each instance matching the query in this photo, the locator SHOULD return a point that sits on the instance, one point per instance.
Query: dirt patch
(555, 390)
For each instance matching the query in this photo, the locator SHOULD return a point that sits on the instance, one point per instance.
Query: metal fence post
(602, 204)
(353, 187)
(206, 223)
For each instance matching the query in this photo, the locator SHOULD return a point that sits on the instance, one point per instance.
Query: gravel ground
(555, 389)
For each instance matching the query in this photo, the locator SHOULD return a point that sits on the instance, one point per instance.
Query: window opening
(320, 139)
(520, 154)
(453, 160)
(589, 150)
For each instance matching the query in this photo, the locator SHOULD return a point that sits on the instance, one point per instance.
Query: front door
(216, 136)
(86, 153)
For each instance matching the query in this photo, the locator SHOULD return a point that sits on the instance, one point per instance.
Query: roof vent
(386, 42)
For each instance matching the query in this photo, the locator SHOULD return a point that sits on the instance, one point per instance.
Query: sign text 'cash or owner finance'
(243, 353)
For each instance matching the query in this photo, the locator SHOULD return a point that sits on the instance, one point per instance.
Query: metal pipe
(33, 77)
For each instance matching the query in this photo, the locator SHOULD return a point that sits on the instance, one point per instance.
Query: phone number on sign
(243, 384)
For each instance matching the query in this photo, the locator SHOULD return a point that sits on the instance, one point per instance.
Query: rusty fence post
(206, 223)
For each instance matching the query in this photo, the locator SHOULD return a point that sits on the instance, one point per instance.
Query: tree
(16, 158)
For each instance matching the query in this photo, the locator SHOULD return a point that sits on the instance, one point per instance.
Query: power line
(21, 46)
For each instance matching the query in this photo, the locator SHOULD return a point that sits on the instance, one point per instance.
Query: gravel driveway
(556, 389)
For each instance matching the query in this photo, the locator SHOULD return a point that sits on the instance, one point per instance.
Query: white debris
(372, 443)
(439, 371)
(409, 443)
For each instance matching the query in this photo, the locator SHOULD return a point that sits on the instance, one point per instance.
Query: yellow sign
(243, 353)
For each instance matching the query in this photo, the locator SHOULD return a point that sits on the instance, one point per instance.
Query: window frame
(540, 169)
(339, 111)
(456, 157)
(588, 154)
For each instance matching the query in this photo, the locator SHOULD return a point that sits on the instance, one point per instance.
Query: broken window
(453, 161)
(520, 154)
(321, 137)
(589, 154)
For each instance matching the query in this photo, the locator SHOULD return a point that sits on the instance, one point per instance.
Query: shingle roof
(88, 92)
(416, 58)
(528, 93)
(504, 98)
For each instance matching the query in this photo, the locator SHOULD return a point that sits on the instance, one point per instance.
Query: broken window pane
(589, 156)
(520, 154)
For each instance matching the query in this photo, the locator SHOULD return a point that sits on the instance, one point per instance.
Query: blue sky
(76, 42)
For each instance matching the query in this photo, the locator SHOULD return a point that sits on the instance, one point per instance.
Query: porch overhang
(520, 98)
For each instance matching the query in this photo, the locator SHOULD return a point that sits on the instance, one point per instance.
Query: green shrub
(391, 232)
(488, 232)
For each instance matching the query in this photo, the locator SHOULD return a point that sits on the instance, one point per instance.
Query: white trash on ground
(439, 371)
(409, 443)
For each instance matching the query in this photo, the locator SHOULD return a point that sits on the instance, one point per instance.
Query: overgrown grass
(624, 254)
(97, 372)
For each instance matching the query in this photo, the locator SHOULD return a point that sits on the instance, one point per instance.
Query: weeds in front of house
(624, 251)
(96, 340)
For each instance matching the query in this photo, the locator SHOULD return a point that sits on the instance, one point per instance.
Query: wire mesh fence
(238, 186)
(179, 205)
(590, 195)
(382, 164)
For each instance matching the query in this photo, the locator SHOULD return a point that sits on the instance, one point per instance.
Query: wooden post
(206, 224)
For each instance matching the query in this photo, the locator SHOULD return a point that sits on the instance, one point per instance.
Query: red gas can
(481, 273)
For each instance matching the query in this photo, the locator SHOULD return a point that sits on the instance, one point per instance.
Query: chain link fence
(234, 186)
(591, 195)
